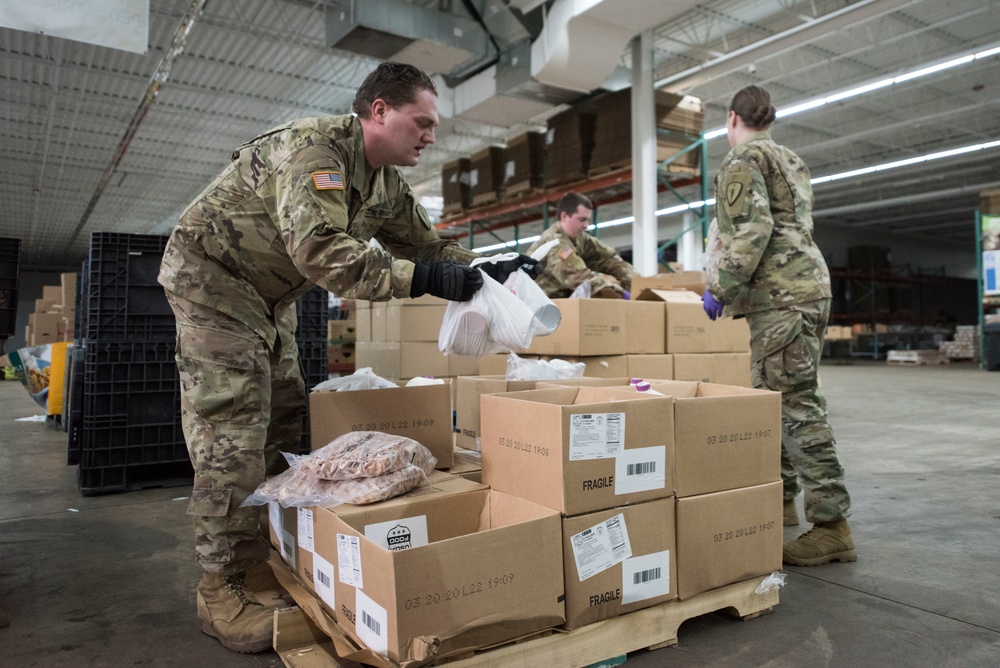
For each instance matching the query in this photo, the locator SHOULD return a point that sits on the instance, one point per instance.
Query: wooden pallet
(301, 644)
(619, 166)
(522, 193)
(915, 357)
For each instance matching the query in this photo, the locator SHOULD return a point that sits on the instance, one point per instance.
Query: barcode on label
(641, 468)
(371, 623)
(323, 578)
(289, 548)
(646, 576)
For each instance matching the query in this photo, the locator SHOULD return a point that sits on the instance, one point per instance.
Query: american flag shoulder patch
(566, 252)
(328, 180)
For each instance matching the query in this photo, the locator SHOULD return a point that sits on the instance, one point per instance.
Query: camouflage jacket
(763, 207)
(295, 208)
(586, 258)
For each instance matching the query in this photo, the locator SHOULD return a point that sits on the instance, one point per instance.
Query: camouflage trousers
(785, 348)
(241, 404)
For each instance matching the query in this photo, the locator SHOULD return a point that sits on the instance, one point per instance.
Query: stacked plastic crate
(10, 258)
(313, 310)
(131, 434)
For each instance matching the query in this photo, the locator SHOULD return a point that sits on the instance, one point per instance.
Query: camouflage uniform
(772, 272)
(574, 261)
(295, 208)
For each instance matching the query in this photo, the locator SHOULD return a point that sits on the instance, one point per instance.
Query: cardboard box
(644, 328)
(455, 185)
(680, 280)
(461, 365)
(578, 450)
(440, 574)
(495, 365)
(292, 532)
(341, 353)
(422, 413)
(468, 464)
(342, 331)
(468, 391)
(725, 436)
(523, 163)
(686, 325)
(52, 294)
(588, 327)
(363, 324)
(67, 289)
(405, 322)
(727, 537)
(404, 360)
(45, 327)
(729, 335)
(721, 368)
(620, 560)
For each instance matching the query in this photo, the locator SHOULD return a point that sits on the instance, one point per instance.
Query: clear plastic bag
(519, 368)
(582, 291)
(493, 321)
(362, 379)
(400, 463)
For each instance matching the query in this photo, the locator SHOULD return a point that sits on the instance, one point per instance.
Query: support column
(644, 228)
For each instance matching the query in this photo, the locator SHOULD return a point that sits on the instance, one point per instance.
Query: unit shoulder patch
(328, 180)
(737, 188)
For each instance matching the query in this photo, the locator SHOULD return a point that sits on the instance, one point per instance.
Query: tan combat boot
(232, 614)
(790, 515)
(825, 542)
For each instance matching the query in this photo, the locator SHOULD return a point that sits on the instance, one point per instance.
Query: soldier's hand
(447, 280)
(713, 307)
(501, 271)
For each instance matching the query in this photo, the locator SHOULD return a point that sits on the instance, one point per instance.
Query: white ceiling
(251, 64)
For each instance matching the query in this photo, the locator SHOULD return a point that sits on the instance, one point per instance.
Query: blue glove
(626, 295)
(713, 307)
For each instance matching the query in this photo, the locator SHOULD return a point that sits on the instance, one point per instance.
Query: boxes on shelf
(726, 537)
(422, 413)
(619, 560)
(486, 175)
(455, 186)
(569, 144)
(523, 164)
(578, 450)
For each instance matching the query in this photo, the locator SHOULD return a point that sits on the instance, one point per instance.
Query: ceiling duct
(582, 41)
(432, 40)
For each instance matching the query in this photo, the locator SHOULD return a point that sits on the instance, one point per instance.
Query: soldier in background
(580, 256)
(771, 271)
(295, 208)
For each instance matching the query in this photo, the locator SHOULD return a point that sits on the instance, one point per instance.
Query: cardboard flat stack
(486, 176)
(569, 143)
(524, 163)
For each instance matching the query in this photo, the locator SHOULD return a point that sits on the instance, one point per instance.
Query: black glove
(447, 280)
(501, 271)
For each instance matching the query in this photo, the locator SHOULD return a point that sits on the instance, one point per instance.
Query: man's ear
(379, 110)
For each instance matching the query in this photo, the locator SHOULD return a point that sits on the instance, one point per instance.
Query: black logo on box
(398, 538)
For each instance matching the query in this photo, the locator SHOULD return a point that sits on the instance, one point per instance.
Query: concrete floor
(109, 580)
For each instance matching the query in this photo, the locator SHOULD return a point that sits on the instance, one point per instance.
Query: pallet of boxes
(606, 516)
(55, 313)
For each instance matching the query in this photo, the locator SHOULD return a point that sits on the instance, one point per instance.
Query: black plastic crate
(131, 478)
(73, 410)
(80, 303)
(313, 309)
(134, 382)
(124, 301)
(313, 364)
(10, 257)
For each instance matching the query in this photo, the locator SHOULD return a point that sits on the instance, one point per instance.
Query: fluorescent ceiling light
(908, 161)
(875, 85)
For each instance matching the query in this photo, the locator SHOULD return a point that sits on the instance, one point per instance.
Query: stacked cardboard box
(524, 164)
(398, 340)
(341, 337)
(55, 313)
(681, 118)
(569, 143)
(989, 201)
(455, 186)
(486, 175)
(602, 457)
(965, 344)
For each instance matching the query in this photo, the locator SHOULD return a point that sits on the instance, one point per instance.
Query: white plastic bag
(547, 314)
(362, 379)
(493, 321)
(519, 368)
(582, 291)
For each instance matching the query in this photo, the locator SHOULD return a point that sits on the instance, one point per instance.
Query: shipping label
(641, 469)
(596, 435)
(323, 580)
(306, 530)
(372, 624)
(400, 534)
(601, 546)
(646, 577)
(349, 560)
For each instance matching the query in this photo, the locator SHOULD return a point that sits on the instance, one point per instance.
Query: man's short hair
(569, 203)
(396, 83)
